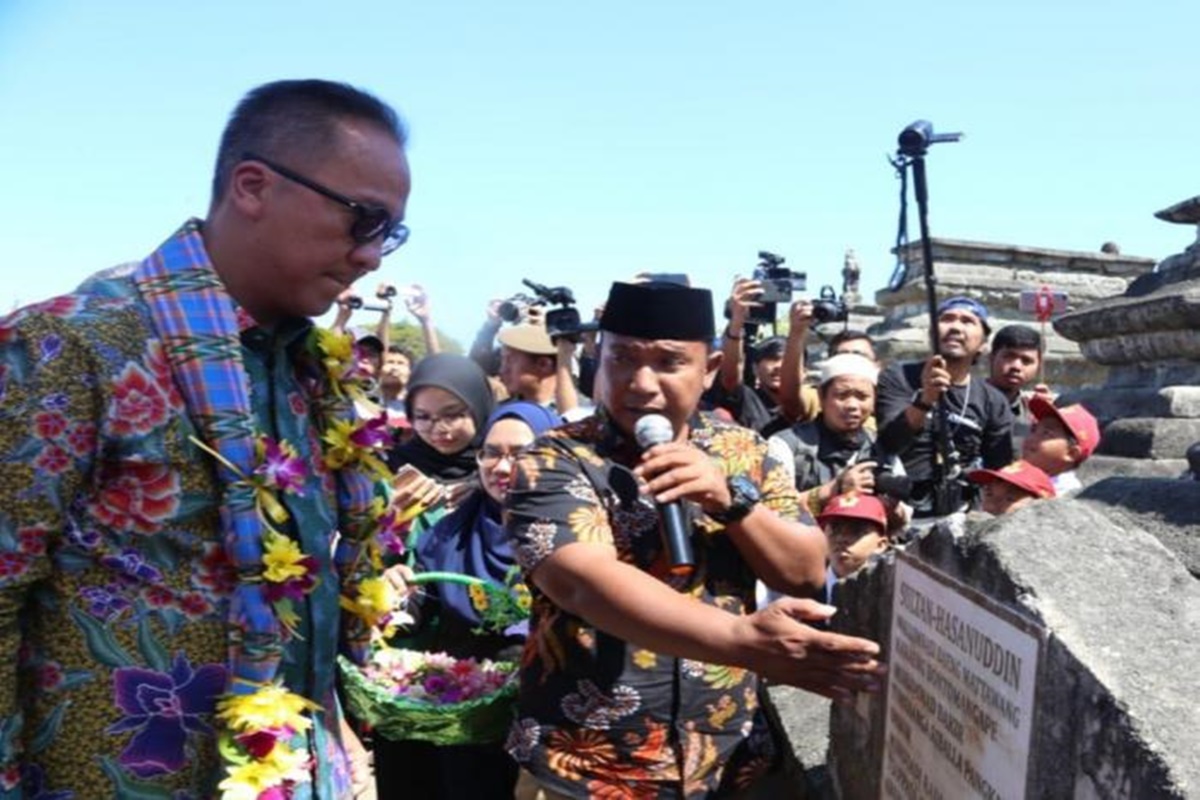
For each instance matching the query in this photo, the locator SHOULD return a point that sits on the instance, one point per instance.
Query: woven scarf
(197, 322)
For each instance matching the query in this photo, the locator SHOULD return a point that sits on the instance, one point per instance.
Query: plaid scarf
(197, 322)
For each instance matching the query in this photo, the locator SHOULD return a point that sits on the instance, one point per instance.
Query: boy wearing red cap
(1012, 487)
(856, 526)
(1061, 440)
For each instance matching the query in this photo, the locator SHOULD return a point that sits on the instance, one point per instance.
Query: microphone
(655, 429)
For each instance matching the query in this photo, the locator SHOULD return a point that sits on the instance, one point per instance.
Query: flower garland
(258, 727)
(256, 743)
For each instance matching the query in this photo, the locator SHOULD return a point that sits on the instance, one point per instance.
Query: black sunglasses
(370, 222)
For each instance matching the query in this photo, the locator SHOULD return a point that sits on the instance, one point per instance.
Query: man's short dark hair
(771, 347)
(848, 335)
(395, 348)
(296, 116)
(1017, 337)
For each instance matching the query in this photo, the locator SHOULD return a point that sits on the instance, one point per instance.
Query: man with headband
(182, 504)
(977, 414)
(641, 669)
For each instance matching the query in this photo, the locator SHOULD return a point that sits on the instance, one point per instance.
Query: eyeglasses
(370, 222)
(430, 421)
(489, 456)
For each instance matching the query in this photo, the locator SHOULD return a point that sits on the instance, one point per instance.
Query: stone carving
(851, 273)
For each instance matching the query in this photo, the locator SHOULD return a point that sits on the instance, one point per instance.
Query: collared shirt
(112, 555)
(595, 712)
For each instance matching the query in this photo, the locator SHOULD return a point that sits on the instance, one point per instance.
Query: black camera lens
(897, 486)
(509, 311)
(354, 302)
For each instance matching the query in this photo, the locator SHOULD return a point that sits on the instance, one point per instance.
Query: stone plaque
(961, 679)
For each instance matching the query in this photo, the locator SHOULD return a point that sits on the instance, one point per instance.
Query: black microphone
(655, 429)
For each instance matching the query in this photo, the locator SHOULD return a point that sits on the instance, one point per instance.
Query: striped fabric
(197, 322)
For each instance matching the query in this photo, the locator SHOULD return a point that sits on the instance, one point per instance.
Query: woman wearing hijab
(470, 541)
(448, 402)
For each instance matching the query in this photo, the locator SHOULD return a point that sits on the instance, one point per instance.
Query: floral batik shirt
(598, 717)
(114, 582)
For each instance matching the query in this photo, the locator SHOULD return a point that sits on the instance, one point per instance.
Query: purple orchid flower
(279, 469)
(163, 708)
(372, 434)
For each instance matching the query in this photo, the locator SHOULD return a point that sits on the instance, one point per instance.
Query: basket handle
(449, 577)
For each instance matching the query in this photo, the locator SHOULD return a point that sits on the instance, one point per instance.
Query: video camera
(828, 307)
(778, 285)
(563, 321)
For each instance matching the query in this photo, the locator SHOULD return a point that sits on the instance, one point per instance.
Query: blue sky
(578, 143)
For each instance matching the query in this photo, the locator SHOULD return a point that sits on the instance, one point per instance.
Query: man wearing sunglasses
(138, 416)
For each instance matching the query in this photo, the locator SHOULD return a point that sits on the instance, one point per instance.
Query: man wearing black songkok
(639, 676)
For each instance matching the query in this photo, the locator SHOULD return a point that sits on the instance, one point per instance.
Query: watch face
(744, 490)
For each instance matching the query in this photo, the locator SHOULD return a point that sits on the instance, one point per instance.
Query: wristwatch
(744, 496)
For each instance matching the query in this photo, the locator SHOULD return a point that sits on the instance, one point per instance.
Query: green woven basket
(479, 721)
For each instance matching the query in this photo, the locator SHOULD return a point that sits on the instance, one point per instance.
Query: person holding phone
(468, 541)
(448, 401)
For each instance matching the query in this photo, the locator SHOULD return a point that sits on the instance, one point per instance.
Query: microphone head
(653, 429)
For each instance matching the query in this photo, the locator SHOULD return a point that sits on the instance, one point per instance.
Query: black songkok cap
(659, 310)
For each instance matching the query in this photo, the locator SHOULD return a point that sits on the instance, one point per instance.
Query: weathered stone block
(1169, 510)
(1145, 437)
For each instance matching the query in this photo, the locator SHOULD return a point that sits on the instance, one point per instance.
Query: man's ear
(248, 188)
(712, 364)
(1076, 454)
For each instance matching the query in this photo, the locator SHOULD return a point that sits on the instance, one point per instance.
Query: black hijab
(463, 378)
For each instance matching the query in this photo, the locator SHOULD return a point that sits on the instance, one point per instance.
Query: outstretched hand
(783, 648)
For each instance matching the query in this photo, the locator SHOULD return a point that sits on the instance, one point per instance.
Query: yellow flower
(282, 557)
(479, 598)
(339, 450)
(338, 348)
(270, 707)
(247, 781)
(524, 600)
(377, 595)
(644, 659)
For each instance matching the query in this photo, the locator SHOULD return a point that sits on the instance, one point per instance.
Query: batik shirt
(599, 717)
(114, 582)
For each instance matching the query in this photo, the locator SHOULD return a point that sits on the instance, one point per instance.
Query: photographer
(799, 401)
(751, 407)
(834, 453)
(977, 416)
(535, 368)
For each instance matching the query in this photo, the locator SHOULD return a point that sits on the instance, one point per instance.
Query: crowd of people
(207, 499)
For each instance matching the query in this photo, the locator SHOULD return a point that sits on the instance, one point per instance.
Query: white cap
(849, 364)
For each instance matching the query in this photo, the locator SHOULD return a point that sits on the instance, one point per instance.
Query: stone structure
(1114, 708)
(996, 274)
(1148, 338)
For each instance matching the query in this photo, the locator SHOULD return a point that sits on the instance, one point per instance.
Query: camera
(828, 307)
(516, 307)
(887, 484)
(916, 138)
(778, 285)
(563, 321)
(778, 281)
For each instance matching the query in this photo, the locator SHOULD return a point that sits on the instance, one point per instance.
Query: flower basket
(409, 694)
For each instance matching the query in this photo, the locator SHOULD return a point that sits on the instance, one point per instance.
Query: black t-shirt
(979, 417)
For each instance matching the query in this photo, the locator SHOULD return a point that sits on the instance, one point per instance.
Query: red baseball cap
(1076, 419)
(1021, 474)
(853, 505)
